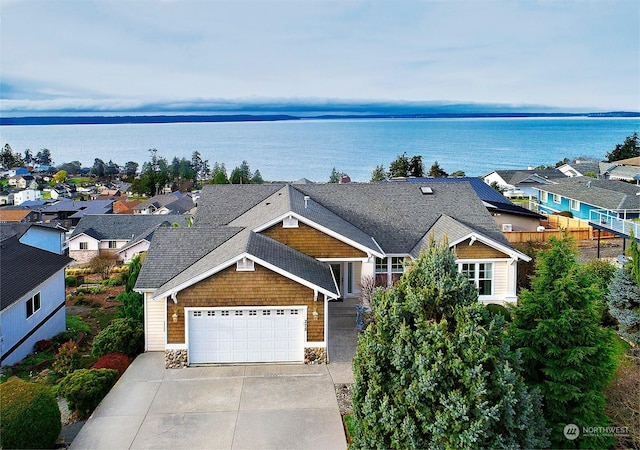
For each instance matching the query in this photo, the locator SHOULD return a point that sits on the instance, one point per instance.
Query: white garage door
(246, 335)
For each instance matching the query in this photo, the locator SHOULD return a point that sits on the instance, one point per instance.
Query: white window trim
(85, 244)
(574, 204)
(544, 196)
(32, 301)
(557, 198)
(476, 272)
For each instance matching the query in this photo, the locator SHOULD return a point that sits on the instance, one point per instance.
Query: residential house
(26, 195)
(581, 168)
(32, 304)
(522, 182)
(584, 196)
(254, 278)
(69, 212)
(624, 170)
(508, 216)
(173, 203)
(17, 215)
(63, 190)
(23, 182)
(124, 234)
(125, 207)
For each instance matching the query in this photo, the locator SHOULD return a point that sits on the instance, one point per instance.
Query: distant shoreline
(206, 118)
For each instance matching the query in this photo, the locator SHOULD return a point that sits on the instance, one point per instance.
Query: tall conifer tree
(565, 351)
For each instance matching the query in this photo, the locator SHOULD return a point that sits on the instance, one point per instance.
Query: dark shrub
(132, 306)
(115, 361)
(84, 389)
(71, 281)
(501, 310)
(121, 336)
(30, 416)
(43, 345)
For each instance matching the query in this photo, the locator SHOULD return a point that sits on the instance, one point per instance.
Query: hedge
(30, 416)
(84, 389)
(121, 336)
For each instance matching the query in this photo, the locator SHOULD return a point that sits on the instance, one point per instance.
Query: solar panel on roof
(426, 190)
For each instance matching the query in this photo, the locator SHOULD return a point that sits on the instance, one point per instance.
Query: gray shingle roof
(606, 194)
(174, 250)
(23, 268)
(220, 204)
(122, 226)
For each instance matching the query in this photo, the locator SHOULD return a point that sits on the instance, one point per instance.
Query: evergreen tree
(378, 174)
(241, 174)
(436, 171)
(8, 159)
(335, 176)
(43, 157)
(565, 351)
(624, 305)
(400, 167)
(416, 168)
(257, 178)
(634, 253)
(629, 149)
(219, 174)
(434, 369)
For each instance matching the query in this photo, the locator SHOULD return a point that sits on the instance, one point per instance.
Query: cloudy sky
(174, 54)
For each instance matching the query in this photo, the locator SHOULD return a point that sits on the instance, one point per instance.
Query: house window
(544, 196)
(575, 205)
(84, 246)
(480, 274)
(389, 269)
(33, 305)
(112, 244)
(556, 198)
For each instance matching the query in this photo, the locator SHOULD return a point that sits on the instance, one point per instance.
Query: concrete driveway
(231, 407)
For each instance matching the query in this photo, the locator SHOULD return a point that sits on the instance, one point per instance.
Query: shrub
(30, 416)
(500, 310)
(67, 358)
(132, 306)
(115, 361)
(71, 281)
(121, 336)
(84, 389)
(75, 323)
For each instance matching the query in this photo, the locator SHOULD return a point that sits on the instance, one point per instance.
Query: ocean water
(311, 148)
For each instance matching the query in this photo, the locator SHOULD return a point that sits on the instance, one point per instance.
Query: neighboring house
(580, 168)
(24, 215)
(523, 181)
(33, 301)
(69, 212)
(252, 280)
(125, 207)
(624, 170)
(63, 190)
(583, 195)
(26, 195)
(23, 182)
(508, 216)
(123, 234)
(173, 203)
(17, 171)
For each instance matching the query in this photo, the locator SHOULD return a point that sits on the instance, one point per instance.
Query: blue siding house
(32, 295)
(586, 197)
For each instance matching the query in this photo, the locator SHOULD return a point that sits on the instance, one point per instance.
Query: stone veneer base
(315, 355)
(175, 359)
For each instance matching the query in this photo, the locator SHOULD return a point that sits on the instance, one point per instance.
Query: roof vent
(426, 190)
(306, 201)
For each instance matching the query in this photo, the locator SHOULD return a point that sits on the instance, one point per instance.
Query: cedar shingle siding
(261, 287)
(476, 251)
(312, 242)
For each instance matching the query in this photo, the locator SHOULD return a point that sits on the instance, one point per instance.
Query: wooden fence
(557, 226)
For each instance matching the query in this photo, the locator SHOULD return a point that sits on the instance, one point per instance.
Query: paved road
(231, 407)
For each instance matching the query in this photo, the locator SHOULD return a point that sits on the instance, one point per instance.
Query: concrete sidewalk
(267, 406)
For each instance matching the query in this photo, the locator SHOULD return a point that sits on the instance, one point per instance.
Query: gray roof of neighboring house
(586, 167)
(220, 204)
(81, 207)
(23, 268)
(515, 177)
(606, 194)
(613, 170)
(175, 201)
(122, 226)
